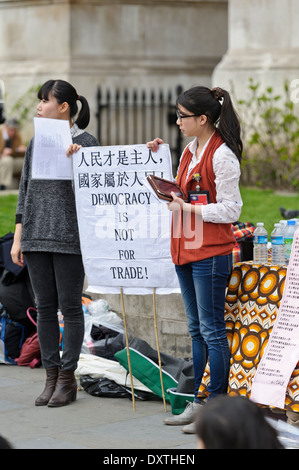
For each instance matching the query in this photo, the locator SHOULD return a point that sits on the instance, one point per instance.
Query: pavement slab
(88, 423)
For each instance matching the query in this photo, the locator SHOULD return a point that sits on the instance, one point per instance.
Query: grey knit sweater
(47, 210)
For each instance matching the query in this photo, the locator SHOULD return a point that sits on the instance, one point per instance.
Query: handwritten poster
(282, 351)
(124, 229)
(52, 137)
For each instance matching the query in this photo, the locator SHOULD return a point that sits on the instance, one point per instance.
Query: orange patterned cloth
(252, 302)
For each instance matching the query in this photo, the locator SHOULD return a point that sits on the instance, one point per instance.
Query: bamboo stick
(158, 349)
(128, 349)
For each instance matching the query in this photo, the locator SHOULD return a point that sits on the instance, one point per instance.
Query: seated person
(12, 153)
(234, 422)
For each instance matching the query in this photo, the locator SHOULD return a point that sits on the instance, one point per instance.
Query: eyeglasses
(183, 116)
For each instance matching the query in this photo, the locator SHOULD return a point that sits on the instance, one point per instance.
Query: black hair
(201, 100)
(4, 443)
(234, 422)
(65, 92)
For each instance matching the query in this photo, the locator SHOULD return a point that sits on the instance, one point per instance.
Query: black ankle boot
(66, 389)
(50, 385)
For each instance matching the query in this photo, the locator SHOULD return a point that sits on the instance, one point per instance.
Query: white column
(263, 44)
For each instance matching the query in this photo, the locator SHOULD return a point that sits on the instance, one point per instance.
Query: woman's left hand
(73, 148)
(176, 204)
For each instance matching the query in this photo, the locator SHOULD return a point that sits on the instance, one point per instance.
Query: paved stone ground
(88, 423)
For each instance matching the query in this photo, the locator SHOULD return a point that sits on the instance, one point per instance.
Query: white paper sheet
(282, 351)
(52, 137)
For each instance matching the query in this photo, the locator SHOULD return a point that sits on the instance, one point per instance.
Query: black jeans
(57, 281)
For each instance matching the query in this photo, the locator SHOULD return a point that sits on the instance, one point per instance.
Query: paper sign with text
(282, 351)
(52, 137)
(124, 230)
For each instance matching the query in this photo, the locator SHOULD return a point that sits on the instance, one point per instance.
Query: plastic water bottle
(288, 239)
(260, 241)
(277, 245)
(283, 224)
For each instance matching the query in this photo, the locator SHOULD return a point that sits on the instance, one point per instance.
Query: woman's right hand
(16, 254)
(154, 144)
(16, 250)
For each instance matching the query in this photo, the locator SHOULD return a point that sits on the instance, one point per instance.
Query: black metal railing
(135, 117)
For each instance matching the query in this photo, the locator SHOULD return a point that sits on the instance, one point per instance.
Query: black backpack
(16, 294)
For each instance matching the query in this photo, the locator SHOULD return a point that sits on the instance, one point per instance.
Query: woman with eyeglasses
(202, 239)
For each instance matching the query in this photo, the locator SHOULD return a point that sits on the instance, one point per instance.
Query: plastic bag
(102, 387)
(105, 347)
(104, 330)
(102, 315)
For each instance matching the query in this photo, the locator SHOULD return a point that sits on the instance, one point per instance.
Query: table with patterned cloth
(252, 302)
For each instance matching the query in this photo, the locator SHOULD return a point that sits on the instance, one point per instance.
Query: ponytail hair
(216, 104)
(65, 92)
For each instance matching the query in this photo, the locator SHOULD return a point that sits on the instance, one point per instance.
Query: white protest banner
(52, 137)
(124, 229)
(282, 351)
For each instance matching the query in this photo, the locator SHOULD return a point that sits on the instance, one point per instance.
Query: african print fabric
(252, 302)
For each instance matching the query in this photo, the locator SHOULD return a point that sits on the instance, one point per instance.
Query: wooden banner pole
(158, 349)
(128, 349)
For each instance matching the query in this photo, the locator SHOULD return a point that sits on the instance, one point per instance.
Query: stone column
(263, 44)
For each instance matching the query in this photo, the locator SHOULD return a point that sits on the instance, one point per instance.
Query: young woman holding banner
(210, 163)
(47, 233)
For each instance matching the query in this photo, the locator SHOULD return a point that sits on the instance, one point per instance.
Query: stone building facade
(154, 44)
(111, 43)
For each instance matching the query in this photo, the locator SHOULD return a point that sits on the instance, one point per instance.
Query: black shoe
(66, 389)
(44, 398)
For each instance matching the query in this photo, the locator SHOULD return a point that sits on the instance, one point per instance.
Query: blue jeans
(203, 284)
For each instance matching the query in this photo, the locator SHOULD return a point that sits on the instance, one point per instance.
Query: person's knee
(6, 162)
